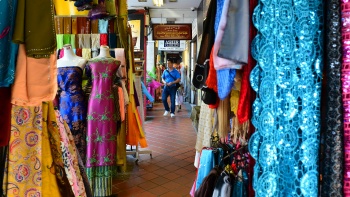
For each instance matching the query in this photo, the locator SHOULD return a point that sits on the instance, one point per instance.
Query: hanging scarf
(35, 27)
(286, 112)
(345, 75)
(333, 125)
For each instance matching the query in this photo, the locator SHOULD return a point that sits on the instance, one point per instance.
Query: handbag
(209, 96)
(177, 85)
(200, 74)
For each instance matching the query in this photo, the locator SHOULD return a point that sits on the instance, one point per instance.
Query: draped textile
(8, 49)
(286, 112)
(35, 27)
(5, 116)
(345, 77)
(332, 129)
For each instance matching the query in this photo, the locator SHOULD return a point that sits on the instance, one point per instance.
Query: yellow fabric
(67, 8)
(29, 155)
(49, 182)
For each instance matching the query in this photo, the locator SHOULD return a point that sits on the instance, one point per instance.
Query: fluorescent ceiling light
(158, 3)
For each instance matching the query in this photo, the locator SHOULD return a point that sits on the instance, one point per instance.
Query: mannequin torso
(104, 52)
(70, 59)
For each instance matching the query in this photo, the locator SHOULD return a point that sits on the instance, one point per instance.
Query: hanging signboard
(172, 31)
(171, 45)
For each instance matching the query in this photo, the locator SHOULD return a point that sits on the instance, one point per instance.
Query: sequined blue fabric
(8, 50)
(286, 112)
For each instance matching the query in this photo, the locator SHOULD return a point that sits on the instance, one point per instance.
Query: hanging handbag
(200, 74)
(209, 96)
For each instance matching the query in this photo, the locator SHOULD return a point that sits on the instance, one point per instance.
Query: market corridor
(170, 172)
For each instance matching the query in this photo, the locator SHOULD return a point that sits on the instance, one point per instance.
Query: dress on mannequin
(72, 105)
(101, 122)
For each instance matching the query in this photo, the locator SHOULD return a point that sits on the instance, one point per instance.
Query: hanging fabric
(286, 112)
(332, 129)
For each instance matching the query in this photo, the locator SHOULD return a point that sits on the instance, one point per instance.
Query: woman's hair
(170, 60)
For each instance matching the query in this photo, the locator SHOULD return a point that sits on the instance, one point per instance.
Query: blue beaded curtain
(286, 112)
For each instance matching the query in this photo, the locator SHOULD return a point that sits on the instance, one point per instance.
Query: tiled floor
(170, 173)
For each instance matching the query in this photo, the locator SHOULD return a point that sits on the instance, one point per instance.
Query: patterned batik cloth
(29, 158)
(286, 112)
(72, 105)
(345, 77)
(332, 127)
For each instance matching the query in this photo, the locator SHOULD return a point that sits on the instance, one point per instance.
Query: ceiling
(182, 11)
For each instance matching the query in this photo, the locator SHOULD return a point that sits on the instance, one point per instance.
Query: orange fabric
(121, 103)
(35, 81)
(133, 136)
(212, 81)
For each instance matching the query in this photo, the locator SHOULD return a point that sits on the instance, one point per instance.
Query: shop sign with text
(172, 31)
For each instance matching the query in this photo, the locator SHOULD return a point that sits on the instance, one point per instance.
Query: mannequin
(70, 59)
(70, 95)
(104, 52)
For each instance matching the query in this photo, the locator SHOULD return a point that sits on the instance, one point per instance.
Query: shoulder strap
(170, 75)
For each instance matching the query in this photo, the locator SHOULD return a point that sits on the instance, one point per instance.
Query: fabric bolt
(101, 126)
(86, 41)
(66, 39)
(345, 76)
(32, 86)
(103, 26)
(246, 94)
(212, 81)
(81, 41)
(5, 116)
(221, 18)
(83, 174)
(332, 131)
(29, 155)
(116, 103)
(79, 52)
(240, 185)
(286, 111)
(101, 184)
(235, 42)
(121, 104)
(120, 55)
(8, 49)
(104, 39)
(86, 53)
(111, 23)
(83, 25)
(33, 24)
(95, 41)
(70, 157)
(112, 40)
(67, 25)
(74, 26)
(72, 41)
(59, 39)
(72, 104)
(94, 26)
(59, 25)
(206, 164)
(225, 82)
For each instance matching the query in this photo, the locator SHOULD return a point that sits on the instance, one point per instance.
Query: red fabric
(111, 26)
(79, 52)
(5, 116)
(212, 81)
(245, 104)
(104, 39)
(61, 53)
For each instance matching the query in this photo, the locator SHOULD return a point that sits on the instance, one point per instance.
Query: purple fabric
(101, 118)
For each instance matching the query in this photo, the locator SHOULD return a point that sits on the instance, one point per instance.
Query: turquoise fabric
(287, 82)
(8, 50)
(206, 163)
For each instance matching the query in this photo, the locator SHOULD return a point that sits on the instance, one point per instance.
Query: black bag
(177, 85)
(209, 96)
(200, 74)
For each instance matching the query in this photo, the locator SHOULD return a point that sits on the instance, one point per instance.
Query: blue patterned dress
(8, 50)
(72, 105)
